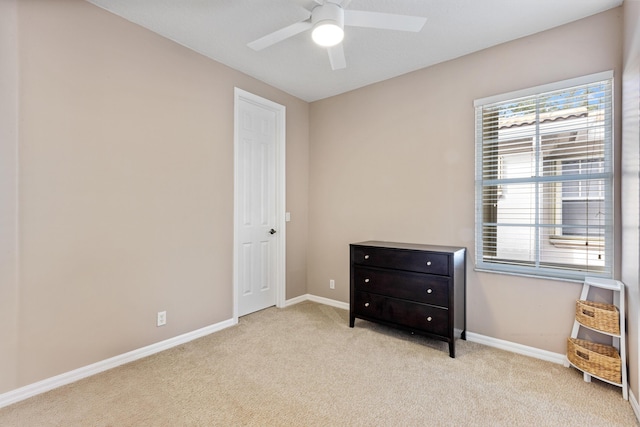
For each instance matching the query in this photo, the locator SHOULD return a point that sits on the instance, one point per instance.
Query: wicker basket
(603, 317)
(600, 360)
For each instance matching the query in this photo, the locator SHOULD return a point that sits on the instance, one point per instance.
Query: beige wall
(125, 170)
(8, 193)
(395, 161)
(126, 188)
(631, 182)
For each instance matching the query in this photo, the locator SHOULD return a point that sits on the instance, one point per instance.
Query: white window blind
(544, 180)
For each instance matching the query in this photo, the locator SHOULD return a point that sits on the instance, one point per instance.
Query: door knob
(272, 231)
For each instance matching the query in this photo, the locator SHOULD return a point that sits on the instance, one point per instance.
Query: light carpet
(304, 366)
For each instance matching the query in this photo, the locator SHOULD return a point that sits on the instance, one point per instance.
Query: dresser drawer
(424, 317)
(402, 259)
(417, 287)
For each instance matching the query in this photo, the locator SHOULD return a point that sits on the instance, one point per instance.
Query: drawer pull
(429, 319)
(428, 262)
(366, 280)
(366, 304)
(366, 257)
(429, 291)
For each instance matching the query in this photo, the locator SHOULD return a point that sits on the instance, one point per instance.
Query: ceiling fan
(328, 19)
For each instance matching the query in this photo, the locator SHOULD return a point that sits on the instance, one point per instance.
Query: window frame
(539, 268)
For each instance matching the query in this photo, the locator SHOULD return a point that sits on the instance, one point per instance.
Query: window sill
(532, 276)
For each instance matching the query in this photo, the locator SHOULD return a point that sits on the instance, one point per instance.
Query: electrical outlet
(162, 318)
(332, 284)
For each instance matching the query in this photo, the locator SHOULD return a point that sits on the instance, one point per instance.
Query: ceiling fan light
(328, 24)
(327, 33)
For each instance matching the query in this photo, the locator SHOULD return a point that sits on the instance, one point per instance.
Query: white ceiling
(221, 29)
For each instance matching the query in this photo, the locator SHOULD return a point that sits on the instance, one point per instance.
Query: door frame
(280, 189)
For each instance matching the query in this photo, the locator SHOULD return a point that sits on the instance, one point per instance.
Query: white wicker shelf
(617, 341)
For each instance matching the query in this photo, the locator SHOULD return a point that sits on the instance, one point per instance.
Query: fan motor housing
(330, 12)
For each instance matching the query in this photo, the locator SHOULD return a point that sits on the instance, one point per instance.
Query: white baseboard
(296, 300)
(320, 300)
(634, 404)
(517, 348)
(39, 387)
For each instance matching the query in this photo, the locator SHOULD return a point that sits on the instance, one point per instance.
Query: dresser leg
(352, 320)
(452, 349)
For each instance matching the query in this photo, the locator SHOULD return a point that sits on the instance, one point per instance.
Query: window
(544, 180)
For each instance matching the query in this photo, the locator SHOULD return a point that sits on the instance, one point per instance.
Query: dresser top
(410, 246)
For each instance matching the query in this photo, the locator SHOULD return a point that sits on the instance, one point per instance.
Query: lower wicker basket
(600, 360)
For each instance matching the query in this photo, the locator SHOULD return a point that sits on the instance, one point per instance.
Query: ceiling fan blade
(281, 34)
(385, 21)
(336, 57)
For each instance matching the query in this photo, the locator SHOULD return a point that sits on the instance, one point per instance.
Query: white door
(259, 207)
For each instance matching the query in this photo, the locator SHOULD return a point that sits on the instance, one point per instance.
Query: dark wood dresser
(419, 288)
